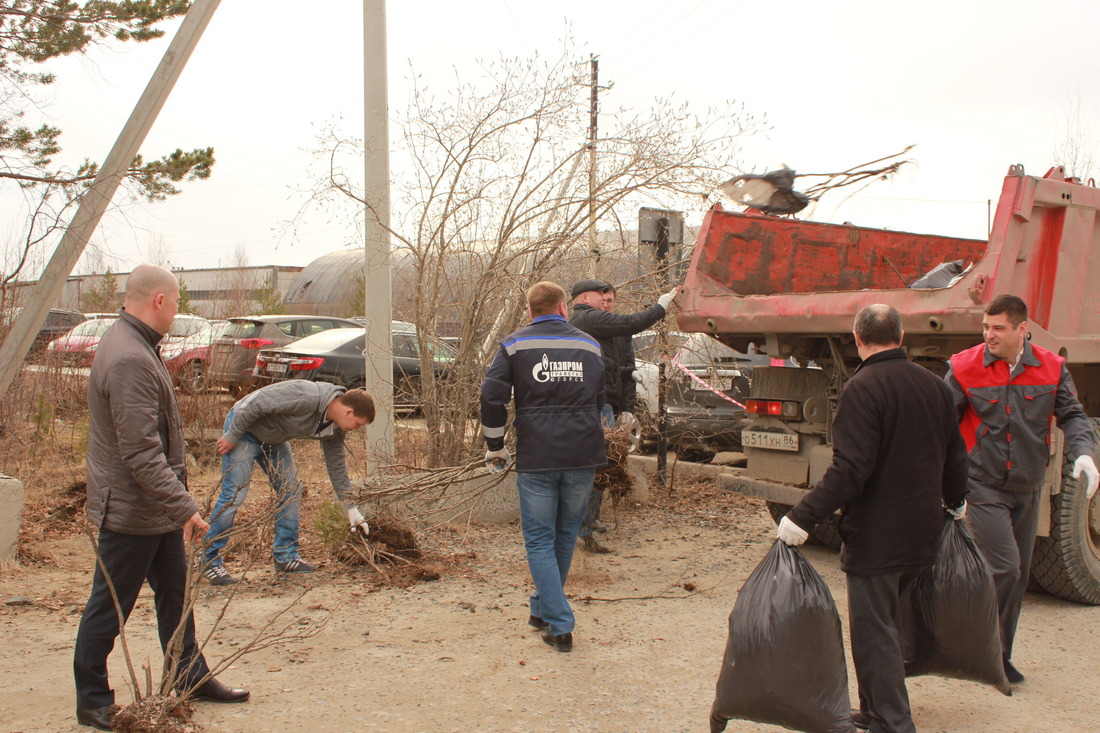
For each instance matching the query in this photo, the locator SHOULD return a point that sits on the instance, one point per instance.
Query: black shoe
(861, 719)
(215, 691)
(589, 544)
(297, 565)
(1013, 674)
(218, 575)
(601, 527)
(561, 642)
(537, 623)
(98, 718)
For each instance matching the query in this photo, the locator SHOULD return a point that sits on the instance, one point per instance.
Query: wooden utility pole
(98, 196)
(593, 117)
(378, 354)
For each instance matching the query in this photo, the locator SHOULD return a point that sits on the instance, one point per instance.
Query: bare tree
(492, 202)
(1077, 148)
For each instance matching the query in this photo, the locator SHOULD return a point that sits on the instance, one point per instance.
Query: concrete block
(11, 509)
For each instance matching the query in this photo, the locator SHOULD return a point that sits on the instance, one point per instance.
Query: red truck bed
(751, 276)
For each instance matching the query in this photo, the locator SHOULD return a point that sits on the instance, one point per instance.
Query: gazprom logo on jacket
(558, 371)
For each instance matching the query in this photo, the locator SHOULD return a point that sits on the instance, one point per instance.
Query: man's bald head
(152, 296)
(148, 280)
(878, 325)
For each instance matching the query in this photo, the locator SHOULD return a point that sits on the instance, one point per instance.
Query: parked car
(77, 347)
(337, 356)
(233, 354)
(706, 379)
(59, 321)
(188, 359)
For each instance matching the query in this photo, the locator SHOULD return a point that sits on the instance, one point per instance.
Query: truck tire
(825, 534)
(1067, 564)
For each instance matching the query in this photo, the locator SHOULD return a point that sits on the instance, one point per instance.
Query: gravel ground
(456, 654)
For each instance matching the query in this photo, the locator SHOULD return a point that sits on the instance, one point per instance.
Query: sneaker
(537, 623)
(1013, 674)
(297, 565)
(218, 575)
(561, 642)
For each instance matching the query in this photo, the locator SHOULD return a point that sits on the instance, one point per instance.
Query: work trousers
(595, 498)
(1004, 525)
(130, 561)
(873, 606)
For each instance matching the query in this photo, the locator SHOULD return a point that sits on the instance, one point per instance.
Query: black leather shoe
(215, 691)
(98, 718)
(1013, 674)
(591, 545)
(861, 719)
(537, 623)
(561, 642)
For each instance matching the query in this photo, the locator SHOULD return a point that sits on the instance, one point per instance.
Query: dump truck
(792, 288)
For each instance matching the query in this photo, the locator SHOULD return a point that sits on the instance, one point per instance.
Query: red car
(187, 359)
(77, 347)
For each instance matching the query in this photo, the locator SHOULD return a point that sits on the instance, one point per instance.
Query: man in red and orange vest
(1008, 392)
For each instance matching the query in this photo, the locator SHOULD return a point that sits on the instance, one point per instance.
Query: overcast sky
(977, 85)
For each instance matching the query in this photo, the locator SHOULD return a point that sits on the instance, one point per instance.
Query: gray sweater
(295, 409)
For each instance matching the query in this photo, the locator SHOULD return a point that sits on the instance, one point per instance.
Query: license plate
(770, 441)
(276, 368)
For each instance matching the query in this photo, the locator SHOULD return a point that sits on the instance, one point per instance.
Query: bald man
(898, 461)
(138, 498)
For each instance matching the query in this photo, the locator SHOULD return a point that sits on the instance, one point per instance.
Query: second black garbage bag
(951, 628)
(784, 660)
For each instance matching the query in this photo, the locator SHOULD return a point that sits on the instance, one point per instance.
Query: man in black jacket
(898, 460)
(613, 331)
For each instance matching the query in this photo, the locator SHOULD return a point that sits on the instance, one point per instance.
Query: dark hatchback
(337, 356)
(233, 354)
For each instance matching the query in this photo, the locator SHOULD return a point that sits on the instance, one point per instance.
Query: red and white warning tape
(723, 395)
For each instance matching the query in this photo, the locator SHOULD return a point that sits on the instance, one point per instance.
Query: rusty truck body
(792, 288)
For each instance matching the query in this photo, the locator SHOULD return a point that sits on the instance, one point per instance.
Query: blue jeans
(277, 462)
(551, 507)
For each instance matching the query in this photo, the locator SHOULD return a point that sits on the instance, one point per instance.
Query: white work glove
(497, 460)
(1085, 465)
(636, 376)
(666, 299)
(790, 533)
(355, 519)
(958, 512)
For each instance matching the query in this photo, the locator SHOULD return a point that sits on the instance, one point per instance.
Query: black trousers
(130, 561)
(873, 603)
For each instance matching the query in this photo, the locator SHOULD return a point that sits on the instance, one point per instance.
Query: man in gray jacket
(137, 496)
(258, 429)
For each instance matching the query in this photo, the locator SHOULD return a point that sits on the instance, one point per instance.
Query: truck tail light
(772, 407)
(256, 343)
(306, 363)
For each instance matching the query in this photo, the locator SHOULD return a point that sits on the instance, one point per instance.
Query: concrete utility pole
(593, 118)
(99, 195)
(378, 355)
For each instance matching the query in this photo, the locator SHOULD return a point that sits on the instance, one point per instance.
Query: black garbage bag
(784, 660)
(949, 626)
(939, 276)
